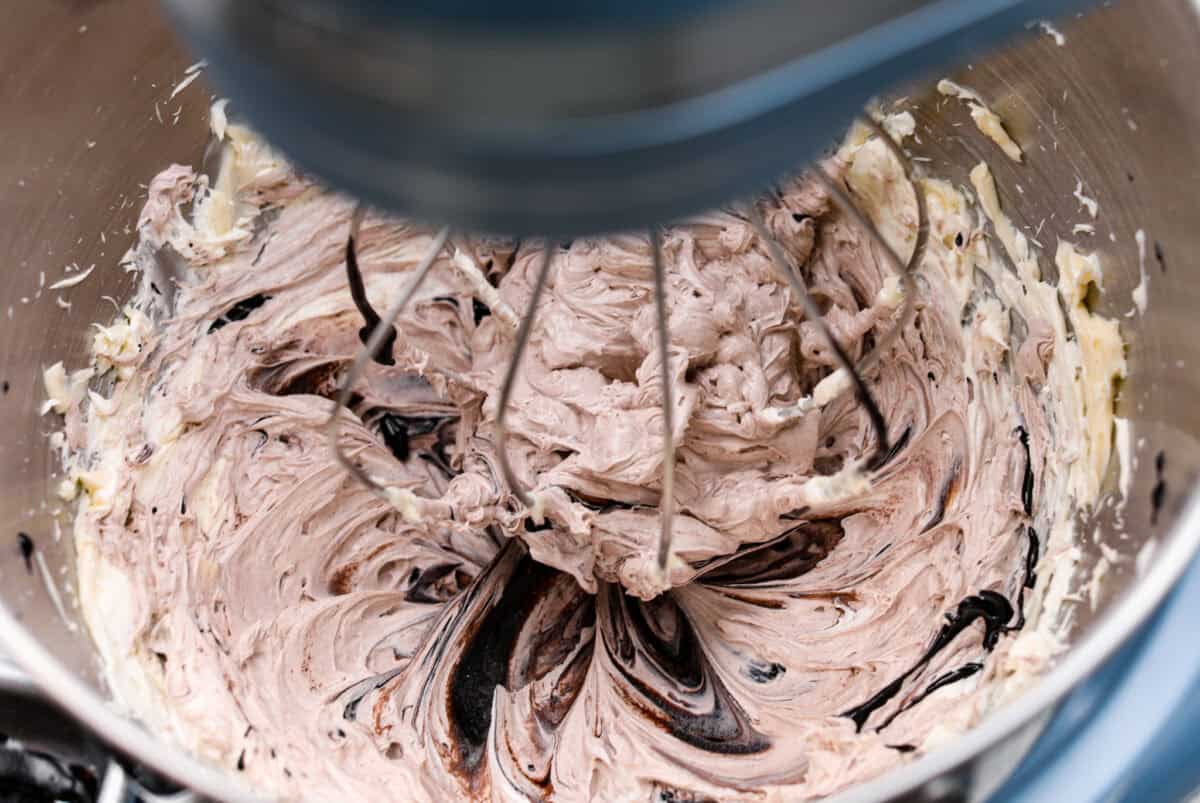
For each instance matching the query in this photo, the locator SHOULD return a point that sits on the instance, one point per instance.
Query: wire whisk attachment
(383, 333)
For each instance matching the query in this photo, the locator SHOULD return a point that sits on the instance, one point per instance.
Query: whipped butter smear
(254, 603)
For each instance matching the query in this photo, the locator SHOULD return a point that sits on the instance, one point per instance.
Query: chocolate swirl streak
(992, 608)
(653, 646)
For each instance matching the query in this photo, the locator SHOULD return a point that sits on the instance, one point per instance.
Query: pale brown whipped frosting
(821, 620)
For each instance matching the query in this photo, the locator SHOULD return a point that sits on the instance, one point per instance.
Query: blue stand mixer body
(1129, 733)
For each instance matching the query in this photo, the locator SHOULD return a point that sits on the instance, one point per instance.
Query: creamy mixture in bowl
(822, 617)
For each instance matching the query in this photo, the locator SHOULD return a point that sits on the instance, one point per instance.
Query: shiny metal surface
(1117, 107)
(79, 119)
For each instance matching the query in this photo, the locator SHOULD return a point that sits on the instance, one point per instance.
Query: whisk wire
(904, 270)
(510, 376)
(813, 313)
(379, 334)
(666, 501)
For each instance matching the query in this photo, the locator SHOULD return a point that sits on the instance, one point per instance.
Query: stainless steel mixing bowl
(87, 118)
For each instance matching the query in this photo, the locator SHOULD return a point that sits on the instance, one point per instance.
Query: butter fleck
(985, 119)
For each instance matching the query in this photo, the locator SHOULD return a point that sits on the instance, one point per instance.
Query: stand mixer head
(541, 118)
